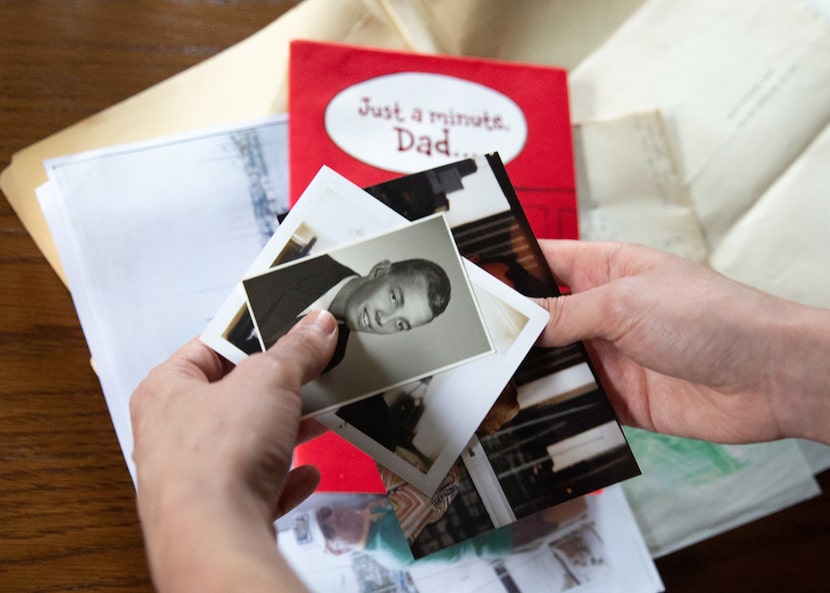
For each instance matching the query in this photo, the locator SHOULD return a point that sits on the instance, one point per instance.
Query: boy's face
(388, 302)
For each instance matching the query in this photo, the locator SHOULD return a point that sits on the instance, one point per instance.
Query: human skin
(213, 449)
(686, 351)
(384, 302)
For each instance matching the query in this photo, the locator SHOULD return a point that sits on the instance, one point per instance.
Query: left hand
(213, 448)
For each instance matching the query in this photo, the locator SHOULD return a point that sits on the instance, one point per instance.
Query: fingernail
(322, 321)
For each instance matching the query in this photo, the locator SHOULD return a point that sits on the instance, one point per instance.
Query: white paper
(782, 244)
(153, 235)
(605, 554)
(817, 455)
(691, 490)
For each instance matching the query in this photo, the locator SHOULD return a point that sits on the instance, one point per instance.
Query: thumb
(297, 357)
(573, 318)
(309, 344)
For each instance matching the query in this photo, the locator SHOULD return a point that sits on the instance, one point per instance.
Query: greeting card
(374, 115)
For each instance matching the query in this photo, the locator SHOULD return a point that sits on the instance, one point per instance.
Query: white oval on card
(411, 121)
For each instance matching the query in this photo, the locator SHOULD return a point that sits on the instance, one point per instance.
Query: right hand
(683, 350)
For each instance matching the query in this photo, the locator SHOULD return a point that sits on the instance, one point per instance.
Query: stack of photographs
(558, 438)
(472, 426)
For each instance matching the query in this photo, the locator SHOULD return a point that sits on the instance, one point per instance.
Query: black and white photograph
(404, 305)
(554, 436)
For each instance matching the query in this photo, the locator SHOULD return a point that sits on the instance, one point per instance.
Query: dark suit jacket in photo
(277, 299)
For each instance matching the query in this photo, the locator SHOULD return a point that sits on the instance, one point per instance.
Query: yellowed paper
(630, 188)
(553, 32)
(744, 87)
(782, 245)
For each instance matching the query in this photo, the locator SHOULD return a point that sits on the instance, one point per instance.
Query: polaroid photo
(418, 430)
(557, 438)
(404, 303)
(331, 212)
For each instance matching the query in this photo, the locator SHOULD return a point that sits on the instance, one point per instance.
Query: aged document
(630, 188)
(702, 129)
(781, 244)
(744, 87)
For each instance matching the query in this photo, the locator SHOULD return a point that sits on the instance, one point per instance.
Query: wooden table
(67, 513)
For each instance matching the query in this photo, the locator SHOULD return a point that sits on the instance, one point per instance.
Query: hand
(685, 351)
(213, 450)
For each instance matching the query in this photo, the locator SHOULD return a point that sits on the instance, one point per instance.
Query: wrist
(799, 382)
(211, 540)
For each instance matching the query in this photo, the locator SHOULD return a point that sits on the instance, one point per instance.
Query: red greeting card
(373, 115)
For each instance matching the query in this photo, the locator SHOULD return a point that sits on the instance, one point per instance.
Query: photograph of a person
(392, 297)
(331, 212)
(403, 301)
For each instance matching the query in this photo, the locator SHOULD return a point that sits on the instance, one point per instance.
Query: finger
(309, 345)
(296, 358)
(585, 264)
(299, 484)
(576, 317)
(561, 258)
(311, 342)
(194, 360)
(609, 367)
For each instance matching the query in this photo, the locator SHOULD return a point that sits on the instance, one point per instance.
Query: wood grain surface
(67, 508)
